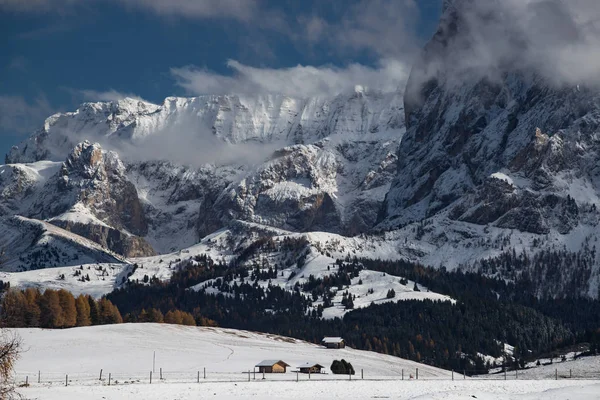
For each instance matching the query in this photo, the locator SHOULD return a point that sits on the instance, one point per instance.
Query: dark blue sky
(60, 52)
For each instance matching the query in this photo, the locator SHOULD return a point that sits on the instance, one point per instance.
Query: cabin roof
(332, 340)
(270, 363)
(310, 365)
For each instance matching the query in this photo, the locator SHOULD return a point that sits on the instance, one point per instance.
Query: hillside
(128, 349)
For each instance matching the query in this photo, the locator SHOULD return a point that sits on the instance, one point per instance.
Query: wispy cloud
(298, 81)
(18, 63)
(386, 28)
(107, 95)
(557, 39)
(243, 10)
(19, 116)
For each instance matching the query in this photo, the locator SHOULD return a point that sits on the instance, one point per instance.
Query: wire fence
(37, 378)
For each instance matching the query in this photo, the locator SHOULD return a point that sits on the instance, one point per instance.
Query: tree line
(59, 309)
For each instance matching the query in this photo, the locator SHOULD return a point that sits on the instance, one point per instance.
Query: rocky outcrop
(118, 241)
(92, 196)
(467, 122)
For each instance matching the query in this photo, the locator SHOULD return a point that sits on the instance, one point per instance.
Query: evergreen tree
(14, 305)
(108, 313)
(188, 319)
(94, 313)
(83, 311)
(33, 312)
(51, 312)
(174, 317)
(155, 315)
(69, 311)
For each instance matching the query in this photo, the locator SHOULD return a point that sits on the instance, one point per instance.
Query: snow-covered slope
(33, 244)
(126, 352)
(128, 349)
(198, 163)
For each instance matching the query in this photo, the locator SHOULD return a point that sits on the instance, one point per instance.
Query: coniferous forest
(488, 312)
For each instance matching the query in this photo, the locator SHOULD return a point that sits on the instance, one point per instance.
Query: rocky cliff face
(296, 164)
(467, 125)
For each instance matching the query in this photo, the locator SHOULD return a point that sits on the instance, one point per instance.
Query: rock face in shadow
(467, 123)
(92, 196)
(121, 243)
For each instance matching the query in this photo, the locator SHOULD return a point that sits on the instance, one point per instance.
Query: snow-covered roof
(270, 363)
(332, 340)
(310, 365)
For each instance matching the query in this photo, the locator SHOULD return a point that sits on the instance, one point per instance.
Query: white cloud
(558, 39)
(18, 116)
(386, 28)
(243, 10)
(108, 95)
(29, 6)
(298, 81)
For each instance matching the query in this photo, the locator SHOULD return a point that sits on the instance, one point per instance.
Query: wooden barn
(333, 342)
(310, 368)
(272, 366)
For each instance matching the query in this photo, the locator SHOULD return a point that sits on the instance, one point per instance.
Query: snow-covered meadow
(127, 352)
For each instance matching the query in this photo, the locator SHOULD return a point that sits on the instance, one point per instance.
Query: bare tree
(10, 348)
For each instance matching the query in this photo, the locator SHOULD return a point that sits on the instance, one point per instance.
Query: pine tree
(188, 319)
(94, 314)
(174, 317)
(51, 312)
(108, 313)
(33, 312)
(155, 315)
(69, 311)
(14, 306)
(83, 311)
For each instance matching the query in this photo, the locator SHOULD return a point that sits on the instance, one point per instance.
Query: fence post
(254, 376)
(109, 378)
(570, 374)
(39, 377)
(66, 380)
(198, 376)
(349, 375)
(362, 375)
(151, 377)
(417, 374)
(516, 374)
(100, 374)
(204, 372)
(26, 381)
(309, 374)
(452, 374)
(464, 374)
(296, 376)
(504, 373)
(402, 373)
(249, 375)
(556, 374)
(161, 374)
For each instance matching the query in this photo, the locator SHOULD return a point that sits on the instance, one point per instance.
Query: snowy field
(434, 390)
(126, 352)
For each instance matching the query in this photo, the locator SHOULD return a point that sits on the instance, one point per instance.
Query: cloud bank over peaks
(299, 81)
(557, 39)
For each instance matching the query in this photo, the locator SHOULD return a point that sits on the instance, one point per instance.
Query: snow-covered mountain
(496, 169)
(140, 177)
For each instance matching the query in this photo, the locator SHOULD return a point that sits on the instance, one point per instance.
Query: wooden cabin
(272, 366)
(333, 342)
(310, 368)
